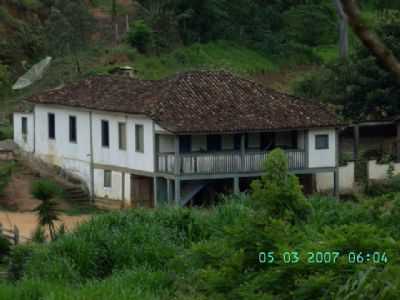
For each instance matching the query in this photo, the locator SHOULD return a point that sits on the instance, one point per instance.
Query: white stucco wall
(114, 192)
(324, 181)
(27, 143)
(128, 158)
(324, 157)
(75, 157)
(380, 171)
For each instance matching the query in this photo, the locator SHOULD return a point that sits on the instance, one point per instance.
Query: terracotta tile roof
(194, 102)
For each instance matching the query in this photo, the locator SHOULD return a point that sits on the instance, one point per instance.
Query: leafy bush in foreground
(176, 253)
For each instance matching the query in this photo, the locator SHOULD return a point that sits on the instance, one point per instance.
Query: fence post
(16, 235)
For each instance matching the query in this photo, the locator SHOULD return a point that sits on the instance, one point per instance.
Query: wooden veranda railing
(224, 162)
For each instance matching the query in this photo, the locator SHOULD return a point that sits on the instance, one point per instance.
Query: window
(107, 178)
(105, 134)
(237, 141)
(185, 143)
(52, 126)
(122, 136)
(214, 143)
(72, 129)
(321, 141)
(24, 128)
(139, 138)
(268, 141)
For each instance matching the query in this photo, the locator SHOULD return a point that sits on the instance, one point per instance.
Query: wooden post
(356, 133)
(92, 193)
(123, 188)
(116, 32)
(169, 195)
(306, 149)
(177, 156)
(16, 235)
(398, 141)
(127, 23)
(336, 183)
(242, 151)
(177, 191)
(156, 148)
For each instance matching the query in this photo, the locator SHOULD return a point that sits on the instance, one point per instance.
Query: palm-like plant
(48, 213)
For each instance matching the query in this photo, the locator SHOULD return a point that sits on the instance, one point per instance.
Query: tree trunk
(370, 39)
(343, 30)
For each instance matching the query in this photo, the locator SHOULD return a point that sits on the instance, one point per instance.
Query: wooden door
(142, 191)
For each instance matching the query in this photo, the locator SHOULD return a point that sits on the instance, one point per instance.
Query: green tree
(47, 211)
(5, 83)
(140, 36)
(360, 87)
(69, 28)
(59, 32)
(278, 193)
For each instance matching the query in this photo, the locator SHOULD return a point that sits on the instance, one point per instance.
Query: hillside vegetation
(277, 43)
(165, 37)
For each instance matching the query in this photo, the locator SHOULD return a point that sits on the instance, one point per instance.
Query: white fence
(324, 181)
(381, 171)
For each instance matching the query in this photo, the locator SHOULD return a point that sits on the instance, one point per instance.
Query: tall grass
(213, 55)
(175, 253)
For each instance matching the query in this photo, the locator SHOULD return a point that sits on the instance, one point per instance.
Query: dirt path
(27, 222)
(19, 204)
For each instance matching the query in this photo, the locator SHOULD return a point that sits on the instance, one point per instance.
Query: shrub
(140, 36)
(6, 132)
(5, 176)
(278, 193)
(45, 189)
(299, 24)
(380, 187)
(5, 247)
(18, 260)
(39, 235)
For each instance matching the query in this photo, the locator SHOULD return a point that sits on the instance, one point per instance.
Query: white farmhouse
(148, 142)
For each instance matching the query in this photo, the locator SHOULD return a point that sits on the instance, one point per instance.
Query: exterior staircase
(75, 190)
(190, 190)
(76, 194)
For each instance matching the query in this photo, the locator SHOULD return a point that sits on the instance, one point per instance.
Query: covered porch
(227, 154)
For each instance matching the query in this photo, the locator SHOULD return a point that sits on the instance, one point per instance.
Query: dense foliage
(140, 36)
(176, 253)
(274, 27)
(360, 86)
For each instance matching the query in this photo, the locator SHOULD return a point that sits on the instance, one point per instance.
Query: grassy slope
(100, 60)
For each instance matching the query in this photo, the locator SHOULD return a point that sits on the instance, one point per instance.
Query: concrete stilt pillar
(155, 190)
(336, 187)
(356, 142)
(177, 191)
(236, 185)
(169, 192)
